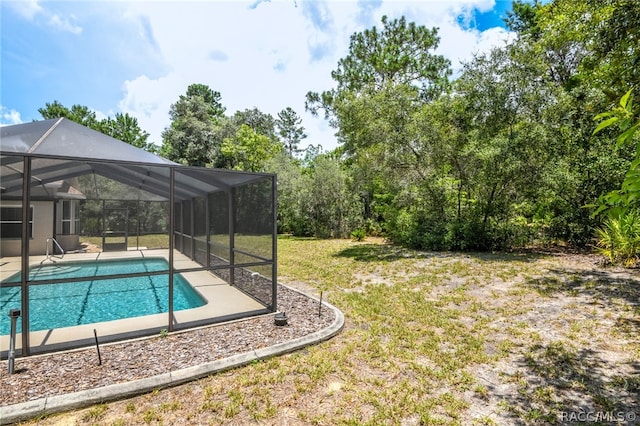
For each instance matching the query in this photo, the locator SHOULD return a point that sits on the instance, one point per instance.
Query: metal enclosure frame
(35, 155)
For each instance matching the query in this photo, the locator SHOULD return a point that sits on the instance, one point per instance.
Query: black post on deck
(95, 335)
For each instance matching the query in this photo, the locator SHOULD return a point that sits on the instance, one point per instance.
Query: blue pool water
(85, 302)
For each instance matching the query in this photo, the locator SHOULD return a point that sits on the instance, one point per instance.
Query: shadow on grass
(387, 252)
(378, 253)
(563, 386)
(604, 286)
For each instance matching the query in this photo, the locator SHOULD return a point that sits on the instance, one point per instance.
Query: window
(11, 222)
(70, 217)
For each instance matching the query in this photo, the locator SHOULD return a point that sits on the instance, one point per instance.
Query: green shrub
(358, 235)
(619, 238)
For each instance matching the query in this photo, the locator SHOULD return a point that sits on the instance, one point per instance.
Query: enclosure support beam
(54, 226)
(192, 231)
(232, 232)
(172, 207)
(137, 223)
(26, 213)
(104, 223)
(207, 225)
(274, 247)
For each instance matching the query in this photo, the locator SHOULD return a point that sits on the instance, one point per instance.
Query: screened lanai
(71, 197)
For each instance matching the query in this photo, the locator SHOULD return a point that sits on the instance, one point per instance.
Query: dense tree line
(504, 155)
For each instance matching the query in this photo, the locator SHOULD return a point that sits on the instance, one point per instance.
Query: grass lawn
(430, 338)
(148, 241)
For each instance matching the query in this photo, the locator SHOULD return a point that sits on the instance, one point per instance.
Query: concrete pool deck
(224, 302)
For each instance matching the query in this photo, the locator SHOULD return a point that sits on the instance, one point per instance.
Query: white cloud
(31, 10)
(254, 57)
(218, 55)
(64, 24)
(9, 116)
(28, 9)
(460, 45)
(270, 54)
(149, 101)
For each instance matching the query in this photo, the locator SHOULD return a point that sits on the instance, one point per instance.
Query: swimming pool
(68, 304)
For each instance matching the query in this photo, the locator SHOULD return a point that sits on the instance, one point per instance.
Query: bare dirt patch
(569, 348)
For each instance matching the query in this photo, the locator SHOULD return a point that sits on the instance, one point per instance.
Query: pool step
(50, 271)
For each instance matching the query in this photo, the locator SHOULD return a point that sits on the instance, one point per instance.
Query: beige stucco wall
(42, 229)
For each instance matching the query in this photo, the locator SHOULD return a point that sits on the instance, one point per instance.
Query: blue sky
(138, 57)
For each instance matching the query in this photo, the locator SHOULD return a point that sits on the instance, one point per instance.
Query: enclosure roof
(61, 136)
(63, 149)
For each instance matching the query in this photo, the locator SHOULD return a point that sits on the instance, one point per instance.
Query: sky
(138, 57)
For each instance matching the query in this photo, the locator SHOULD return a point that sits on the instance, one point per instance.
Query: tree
(523, 18)
(209, 96)
(616, 47)
(290, 130)
(394, 65)
(248, 150)
(125, 128)
(399, 54)
(627, 119)
(78, 113)
(190, 137)
(294, 195)
(589, 77)
(227, 128)
(507, 147)
(260, 122)
(332, 204)
(619, 237)
(382, 85)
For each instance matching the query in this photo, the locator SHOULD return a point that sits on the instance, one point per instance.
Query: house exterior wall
(42, 229)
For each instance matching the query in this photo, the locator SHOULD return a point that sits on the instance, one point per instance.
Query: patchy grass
(95, 413)
(430, 338)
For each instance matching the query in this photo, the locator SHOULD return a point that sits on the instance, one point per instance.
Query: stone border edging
(58, 403)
